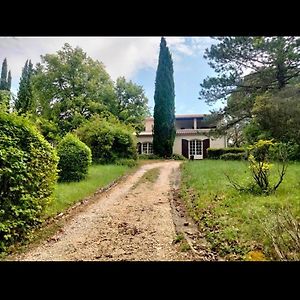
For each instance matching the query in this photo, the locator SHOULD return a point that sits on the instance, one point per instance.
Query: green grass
(235, 222)
(151, 175)
(66, 194)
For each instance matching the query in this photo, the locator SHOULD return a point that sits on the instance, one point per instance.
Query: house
(191, 140)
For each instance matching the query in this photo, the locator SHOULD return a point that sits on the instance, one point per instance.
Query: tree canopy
(70, 87)
(258, 81)
(272, 62)
(131, 106)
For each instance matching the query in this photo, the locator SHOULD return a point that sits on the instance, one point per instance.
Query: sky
(136, 58)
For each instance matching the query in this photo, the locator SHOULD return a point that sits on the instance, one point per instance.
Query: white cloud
(122, 56)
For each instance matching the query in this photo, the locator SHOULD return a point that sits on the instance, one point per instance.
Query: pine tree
(24, 101)
(3, 80)
(164, 110)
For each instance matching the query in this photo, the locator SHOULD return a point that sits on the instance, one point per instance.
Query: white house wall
(214, 143)
(218, 143)
(144, 139)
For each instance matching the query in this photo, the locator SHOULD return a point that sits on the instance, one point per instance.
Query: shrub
(178, 157)
(214, 153)
(74, 158)
(292, 151)
(260, 167)
(126, 162)
(233, 156)
(28, 172)
(108, 139)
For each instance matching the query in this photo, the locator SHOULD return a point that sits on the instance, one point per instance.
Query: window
(150, 148)
(198, 147)
(147, 148)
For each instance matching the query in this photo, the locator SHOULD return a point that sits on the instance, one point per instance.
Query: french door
(196, 149)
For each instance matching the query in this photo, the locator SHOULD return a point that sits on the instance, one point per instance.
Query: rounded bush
(74, 158)
(28, 173)
(108, 139)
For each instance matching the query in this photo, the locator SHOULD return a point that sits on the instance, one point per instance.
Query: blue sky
(189, 72)
(135, 58)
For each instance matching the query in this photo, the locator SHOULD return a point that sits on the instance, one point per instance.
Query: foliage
(233, 156)
(253, 133)
(69, 87)
(24, 102)
(131, 107)
(260, 167)
(126, 162)
(4, 100)
(28, 172)
(5, 80)
(273, 62)
(48, 129)
(234, 222)
(178, 157)
(108, 139)
(292, 151)
(164, 109)
(74, 159)
(215, 153)
(277, 114)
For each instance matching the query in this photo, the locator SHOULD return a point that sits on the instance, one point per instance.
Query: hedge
(215, 153)
(28, 173)
(233, 156)
(74, 159)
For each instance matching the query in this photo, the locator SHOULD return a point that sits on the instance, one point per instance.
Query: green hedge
(108, 139)
(215, 153)
(28, 173)
(233, 156)
(74, 159)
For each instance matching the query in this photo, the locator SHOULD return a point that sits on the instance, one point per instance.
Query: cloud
(122, 56)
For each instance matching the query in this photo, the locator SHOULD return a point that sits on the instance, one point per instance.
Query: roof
(178, 131)
(184, 116)
(190, 116)
(192, 131)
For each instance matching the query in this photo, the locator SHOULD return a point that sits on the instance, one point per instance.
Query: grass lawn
(67, 194)
(235, 223)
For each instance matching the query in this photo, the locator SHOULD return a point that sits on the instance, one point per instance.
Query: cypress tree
(164, 110)
(24, 102)
(9, 81)
(3, 80)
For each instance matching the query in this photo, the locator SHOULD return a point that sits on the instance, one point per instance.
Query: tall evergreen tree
(3, 80)
(164, 110)
(9, 81)
(24, 101)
